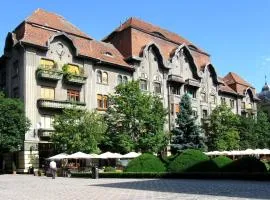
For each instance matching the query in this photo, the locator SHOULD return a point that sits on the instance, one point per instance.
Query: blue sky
(235, 33)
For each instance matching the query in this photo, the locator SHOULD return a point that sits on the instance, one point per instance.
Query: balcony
(55, 104)
(193, 82)
(49, 74)
(45, 132)
(75, 79)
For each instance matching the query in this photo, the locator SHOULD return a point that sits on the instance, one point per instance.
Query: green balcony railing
(75, 79)
(49, 74)
(56, 104)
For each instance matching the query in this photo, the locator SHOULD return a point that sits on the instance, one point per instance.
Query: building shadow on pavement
(226, 188)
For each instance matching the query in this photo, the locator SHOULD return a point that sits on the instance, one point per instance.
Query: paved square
(25, 187)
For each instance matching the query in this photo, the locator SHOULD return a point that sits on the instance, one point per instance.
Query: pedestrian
(53, 168)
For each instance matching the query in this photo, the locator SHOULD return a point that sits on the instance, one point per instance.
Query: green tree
(222, 132)
(13, 124)
(262, 130)
(135, 121)
(247, 133)
(187, 134)
(78, 130)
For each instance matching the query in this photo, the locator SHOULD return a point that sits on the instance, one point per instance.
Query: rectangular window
(143, 84)
(191, 92)
(204, 114)
(232, 103)
(203, 97)
(175, 90)
(99, 101)
(177, 108)
(47, 93)
(213, 99)
(47, 64)
(105, 102)
(102, 102)
(223, 101)
(47, 121)
(157, 88)
(172, 109)
(243, 105)
(73, 95)
(194, 113)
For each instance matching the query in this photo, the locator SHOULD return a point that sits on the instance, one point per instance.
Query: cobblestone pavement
(28, 187)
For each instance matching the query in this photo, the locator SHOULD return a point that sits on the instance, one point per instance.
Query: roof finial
(265, 79)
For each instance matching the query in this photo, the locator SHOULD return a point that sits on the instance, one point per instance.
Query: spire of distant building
(265, 87)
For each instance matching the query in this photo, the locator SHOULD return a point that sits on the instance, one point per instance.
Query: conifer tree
(187, 133)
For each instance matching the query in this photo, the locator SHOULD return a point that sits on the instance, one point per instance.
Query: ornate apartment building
(50, 64)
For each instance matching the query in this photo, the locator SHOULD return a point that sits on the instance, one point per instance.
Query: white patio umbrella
(58, 156)
(248, 152)
(131, 155)
(109, 155)
(80, 155)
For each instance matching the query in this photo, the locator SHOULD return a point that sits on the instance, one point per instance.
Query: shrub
(245, 165)
(222, 161)
(109, 169)
(188, 161)
(145, 163)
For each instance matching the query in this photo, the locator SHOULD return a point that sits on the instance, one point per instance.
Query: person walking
(53, 168)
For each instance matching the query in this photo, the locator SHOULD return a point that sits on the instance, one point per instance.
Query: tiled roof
(225, 88)
(154, 30)
(146, 33)
(38, 35)
(232, 78)
(52, 20)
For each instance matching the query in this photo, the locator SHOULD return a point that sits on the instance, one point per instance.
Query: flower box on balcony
(55, 104)
(75, 79)
(49, 74)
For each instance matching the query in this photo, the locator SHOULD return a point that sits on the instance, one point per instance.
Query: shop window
(47, 93)
(73, 95)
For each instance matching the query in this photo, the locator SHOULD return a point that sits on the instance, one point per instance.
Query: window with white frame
(47, 121)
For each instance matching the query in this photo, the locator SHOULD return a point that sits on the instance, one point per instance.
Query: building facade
(50, 64)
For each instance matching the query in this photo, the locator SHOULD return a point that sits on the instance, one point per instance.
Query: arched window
(105, 77)
(125, 80)
(119, 79)
(99, 77)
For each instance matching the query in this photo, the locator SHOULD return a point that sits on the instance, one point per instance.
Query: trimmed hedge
(145, 163)
(245, 165)
(222, 161)
(190, 161)
(109, 169)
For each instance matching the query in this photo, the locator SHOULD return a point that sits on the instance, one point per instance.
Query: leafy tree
(135, 121)
(247, 132)
(262, 130)
(78, 130)
(13, 124)
(223, 131)
(187, 134)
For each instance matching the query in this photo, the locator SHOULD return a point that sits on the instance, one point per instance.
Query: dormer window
(108, 54)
